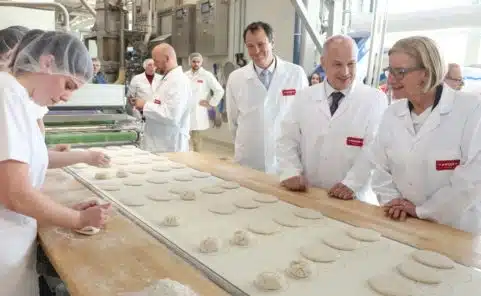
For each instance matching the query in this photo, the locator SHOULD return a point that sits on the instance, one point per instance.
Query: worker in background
(427, 153)
(326, 129)
(315, 78)
(167, 117)
(256, 95)
(99, 77)
(24, 158)
(454, 77)
(203, 84)
(144, 84)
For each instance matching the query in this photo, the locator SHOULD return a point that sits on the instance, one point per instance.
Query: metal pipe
(370, 65)
(296, 51)
(381, 44)
(149, 24)
(54, 5)
(122, 39)
(302, 12)
(89, 8)
(134, 14)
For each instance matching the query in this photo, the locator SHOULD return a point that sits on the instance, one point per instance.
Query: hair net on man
(194, 55)
(9, 39)
(52, 52)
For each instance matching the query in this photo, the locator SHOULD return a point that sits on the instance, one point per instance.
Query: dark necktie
(336, 97)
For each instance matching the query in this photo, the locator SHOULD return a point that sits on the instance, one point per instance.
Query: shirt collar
(329, 89)
(271, 67)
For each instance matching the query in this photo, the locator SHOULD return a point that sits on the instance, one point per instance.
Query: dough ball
(80, 166)
(161, 168)
(132, 202)
(229, 185)
(289, 221)
(122, 174)
(160, 196)
(176, 166)
(137, 171)
(212, 190)
(246, 204)
(201, 175)
(389, 285)
(223, 209)
(364, 234)
(177, 190)
(432, 259)
(242, 238)
(88, 230)
(133, 182)
(110, 187)
(210, 245)
(264, 228)
(320, 253)
(188, 195)
(102, 175)
(269, 281)
(419, 273)
(299, 269)
(113, 148)
(171, 220)
(183, 178)
(144, 161)
(157, 180)
(341, 241)
(308, 214)
(265, 198)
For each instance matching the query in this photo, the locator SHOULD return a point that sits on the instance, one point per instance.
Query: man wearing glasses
(454, 77)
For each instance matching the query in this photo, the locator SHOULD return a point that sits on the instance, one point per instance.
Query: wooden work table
(125, 258)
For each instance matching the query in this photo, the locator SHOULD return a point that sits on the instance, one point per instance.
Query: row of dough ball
(274, 281)
(122, 173)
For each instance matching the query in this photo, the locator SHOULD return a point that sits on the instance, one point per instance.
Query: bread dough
(308, 214)
(417, 272)
(389, 285)
(364, 234)
(125, 153)
(210, 245)
(246, 204)
(113, 148)
(432, 259)
(341, 241)
(121, 162)
(269, 281)
(289, 221)
(229, 185)
(142, 152)
(264, 228)
(144, 161)
(171, 221)
(265, 198)
(122, 174)
(177, 190)
(166, 287)
(212, 190)
(223, 209)
(177, 166)
(183, 178)
(241, 238)
(157, 180)
(160, 196)
(128, 146)
(159, 158)
(133, 182)
(110, 187)
(188, 195)
(88, 230)
(201, 175)
(137, 171)
(132, 202)
(299, 269)
(81, 165)
(320, 253)
(102, 175)
(161, 168)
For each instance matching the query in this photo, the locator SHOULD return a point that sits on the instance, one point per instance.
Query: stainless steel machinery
(183, 30)
(212, 37)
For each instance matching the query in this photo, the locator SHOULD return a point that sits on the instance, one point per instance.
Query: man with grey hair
(207, 92)
(454, 77)
(144, 84)
(327, 127)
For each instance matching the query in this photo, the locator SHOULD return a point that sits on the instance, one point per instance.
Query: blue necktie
(265, 78)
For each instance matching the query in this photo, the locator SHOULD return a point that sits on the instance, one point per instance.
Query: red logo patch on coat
(200, 81)
(352, 141)
(157, 101)
(288, 92)
(447, 165)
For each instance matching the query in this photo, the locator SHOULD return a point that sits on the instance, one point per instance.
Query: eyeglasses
(399, 73)
(459, 80)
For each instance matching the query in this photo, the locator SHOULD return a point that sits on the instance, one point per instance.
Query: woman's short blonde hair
(426, 53)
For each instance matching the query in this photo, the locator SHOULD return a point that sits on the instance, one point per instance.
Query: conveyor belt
(79, 123)
(93, 137)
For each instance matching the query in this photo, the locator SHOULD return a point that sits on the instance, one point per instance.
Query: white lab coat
(203, 82)
(167, 117)
(329, 149)
(23, 142)
(424, 168)
(140, 87)
(253, 111)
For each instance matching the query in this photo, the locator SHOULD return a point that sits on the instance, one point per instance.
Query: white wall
(30, 18)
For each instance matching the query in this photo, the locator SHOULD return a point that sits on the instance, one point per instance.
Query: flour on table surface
(164, 287)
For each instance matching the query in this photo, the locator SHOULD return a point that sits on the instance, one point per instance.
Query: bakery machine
(94, 116)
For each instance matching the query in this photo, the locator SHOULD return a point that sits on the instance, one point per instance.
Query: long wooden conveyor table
(126, 258)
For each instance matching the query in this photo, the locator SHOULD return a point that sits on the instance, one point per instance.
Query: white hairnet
(9, 39)
(53, 53)
(194, 55)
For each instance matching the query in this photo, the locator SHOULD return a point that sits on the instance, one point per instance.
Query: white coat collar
(198, 72)
(444, 106)
(251, 71)
(327, 90)
(172, 72)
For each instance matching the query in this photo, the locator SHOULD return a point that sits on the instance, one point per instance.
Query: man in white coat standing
(256, 94)
(168, 115)
(144, 84)
(324, 132)
(203, 82)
